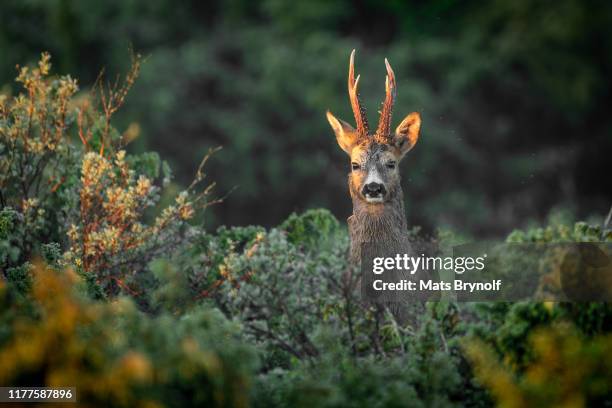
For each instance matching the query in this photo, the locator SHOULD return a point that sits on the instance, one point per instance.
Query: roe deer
(374, 180)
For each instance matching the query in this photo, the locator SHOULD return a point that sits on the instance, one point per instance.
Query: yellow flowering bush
(111, 238)
(115, 355)
(568, 370)
(36, 160)
(65, 178)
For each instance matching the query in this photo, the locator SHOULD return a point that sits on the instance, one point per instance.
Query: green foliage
(426, 375)
(567, 369)
(245, 315)
(319, 343)
(504, 89)
(556, 233)
(313, 229)
(20, 277)
(87, 204)
(10, 245)
(51, 253)
(117, 356)
(296, 336)
(281, 289)
(39, 164)
(525, 352)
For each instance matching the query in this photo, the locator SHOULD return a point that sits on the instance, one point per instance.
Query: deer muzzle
(374, 192)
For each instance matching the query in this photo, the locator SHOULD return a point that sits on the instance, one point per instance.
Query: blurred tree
(514, 96)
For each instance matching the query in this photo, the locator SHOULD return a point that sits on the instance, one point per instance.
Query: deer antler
(358, 110)
(384, 123)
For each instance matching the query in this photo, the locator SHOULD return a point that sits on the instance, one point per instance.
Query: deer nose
(373, 189)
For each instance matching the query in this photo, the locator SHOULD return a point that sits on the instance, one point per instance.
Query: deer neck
(384, 222)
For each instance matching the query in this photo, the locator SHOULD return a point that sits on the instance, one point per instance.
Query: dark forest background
(515, 97)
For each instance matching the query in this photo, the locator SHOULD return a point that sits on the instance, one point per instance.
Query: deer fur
(374, 182)
(385, 223)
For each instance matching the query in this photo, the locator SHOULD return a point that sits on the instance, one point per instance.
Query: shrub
(424, 375)
(283, 285)
(281, 293)
(37, 162)
(314, 229)
(544, 353)
(567, 369)
(91, 198)
(114, 354)
(211, 306)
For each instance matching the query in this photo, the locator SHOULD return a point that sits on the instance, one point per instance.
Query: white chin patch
(369, 199)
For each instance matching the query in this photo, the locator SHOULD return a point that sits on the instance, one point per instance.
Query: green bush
(314, 229)
(116, 355)
(135, 306)
(70, 192)
(525, 352)
(425, 374)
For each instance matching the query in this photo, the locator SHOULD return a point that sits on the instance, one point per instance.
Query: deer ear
(407, 133)
(345, 134)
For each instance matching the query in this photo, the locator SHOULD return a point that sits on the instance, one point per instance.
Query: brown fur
(385, 222)
(375, 222)
(376, 154)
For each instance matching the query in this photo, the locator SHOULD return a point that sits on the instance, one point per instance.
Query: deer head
(374, 177)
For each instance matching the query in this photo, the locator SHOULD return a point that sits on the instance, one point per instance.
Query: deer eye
(355, 166)
(391, 165)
